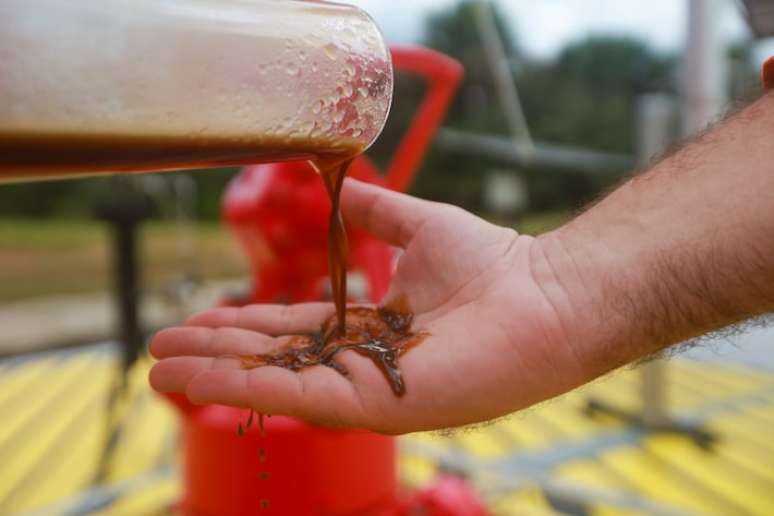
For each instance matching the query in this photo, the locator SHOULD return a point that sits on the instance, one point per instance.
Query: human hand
(495, 345)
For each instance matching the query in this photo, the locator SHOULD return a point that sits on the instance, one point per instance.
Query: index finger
(390, 216)
(275, 320)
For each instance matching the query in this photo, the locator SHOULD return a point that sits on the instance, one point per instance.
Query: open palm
(495, 343)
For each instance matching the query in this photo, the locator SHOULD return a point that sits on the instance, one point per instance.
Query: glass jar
(98, 86)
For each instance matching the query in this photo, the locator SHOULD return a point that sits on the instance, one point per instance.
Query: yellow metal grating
(550, 459)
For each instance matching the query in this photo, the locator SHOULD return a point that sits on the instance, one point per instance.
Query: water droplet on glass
(338, 116)
(356, 133)
(330, 51)
(350, 70)
(292, 68)
(347, 90)
(363, 91)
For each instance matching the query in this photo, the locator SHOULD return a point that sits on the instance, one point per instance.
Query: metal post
(656, 124)
(124, 212)
(704, 67)
(503, 77)
(126, 208)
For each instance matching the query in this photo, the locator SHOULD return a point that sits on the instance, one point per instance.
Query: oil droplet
(338, 116)
(349, 70)
(356, 133)
(347, 91)
(330, 51)
(363, 91)
(292, 69)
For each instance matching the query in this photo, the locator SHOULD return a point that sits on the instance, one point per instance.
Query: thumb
(388, 215)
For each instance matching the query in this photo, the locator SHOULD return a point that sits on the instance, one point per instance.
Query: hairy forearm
(682, 249)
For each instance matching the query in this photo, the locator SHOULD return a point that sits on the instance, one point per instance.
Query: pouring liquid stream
(333, 172)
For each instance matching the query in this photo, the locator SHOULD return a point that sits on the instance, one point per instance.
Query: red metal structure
(767, 74)
(279, 213)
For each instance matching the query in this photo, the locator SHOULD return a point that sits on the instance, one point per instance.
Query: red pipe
(443, 75)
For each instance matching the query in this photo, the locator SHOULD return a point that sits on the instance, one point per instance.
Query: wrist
(572, 277)
(628, 288)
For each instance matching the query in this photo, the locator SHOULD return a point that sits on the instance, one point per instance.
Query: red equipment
(767, 74)
(279, 213)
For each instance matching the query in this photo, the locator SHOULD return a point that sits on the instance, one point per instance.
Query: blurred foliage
(83, 256)
(585, 97)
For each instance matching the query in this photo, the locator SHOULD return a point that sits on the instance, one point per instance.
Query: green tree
(585, 97)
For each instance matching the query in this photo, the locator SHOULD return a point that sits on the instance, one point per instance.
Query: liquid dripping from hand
(242, 429)
(380, 334)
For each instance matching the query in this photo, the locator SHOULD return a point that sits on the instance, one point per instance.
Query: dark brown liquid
(381, 334)
(333, 173)
(30, 155)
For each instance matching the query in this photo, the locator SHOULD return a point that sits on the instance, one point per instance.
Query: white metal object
(503, 76)
(704, 67)
(656, 130)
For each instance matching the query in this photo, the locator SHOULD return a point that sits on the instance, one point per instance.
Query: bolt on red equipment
(279, 213)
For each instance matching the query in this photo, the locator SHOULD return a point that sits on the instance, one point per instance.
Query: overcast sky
(545, 26)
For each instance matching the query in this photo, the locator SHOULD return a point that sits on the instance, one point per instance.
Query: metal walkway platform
(550, 459)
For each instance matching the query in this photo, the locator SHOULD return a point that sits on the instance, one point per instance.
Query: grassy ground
(43, 258)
